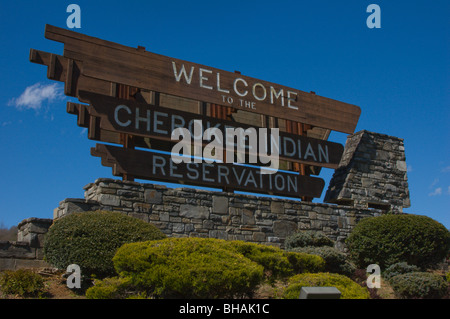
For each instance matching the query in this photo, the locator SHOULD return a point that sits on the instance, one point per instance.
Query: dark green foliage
(399, 269)
(90, 240)
(307, 238)
(335, 261)
(348, 288)
(419, 285)
(22, 282)
(389, 239)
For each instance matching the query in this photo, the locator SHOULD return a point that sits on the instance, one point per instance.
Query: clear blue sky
(398, 75)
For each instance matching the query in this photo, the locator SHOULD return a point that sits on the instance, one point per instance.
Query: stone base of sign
(189, 212)
(27, 251)
(372, 173)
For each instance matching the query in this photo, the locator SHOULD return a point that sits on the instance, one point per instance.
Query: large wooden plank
(145, 120)
(160, 167)
(68, 71)
(112, 62)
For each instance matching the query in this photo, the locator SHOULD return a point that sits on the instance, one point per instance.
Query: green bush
(335, 261)
(187, 268)
(307, 238)
(419, 285)
(111, 288)
(399, 269)
(277, 262)
(90, 240)
(348, 288)
(199, 268)
(22, 282)
(389, 239)
(447, 276)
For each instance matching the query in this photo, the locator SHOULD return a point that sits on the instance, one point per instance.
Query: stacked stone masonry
(189, 212)
(372, 173)
(27, 251)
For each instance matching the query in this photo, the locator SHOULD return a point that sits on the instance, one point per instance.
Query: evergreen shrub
(335, 260)
(389, 239)
(187, 268)
(307, 238)
(22, 282)
(419, 285)
(399, 269)
(200, 268)
(90, 240)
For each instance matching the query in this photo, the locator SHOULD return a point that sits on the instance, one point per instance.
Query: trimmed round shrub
(90, 240)
(419, 285)
(187, 268)
(399, 269)
(389, 239)
(348, 288)
(22, 282)
(335, 261)
(307, 238)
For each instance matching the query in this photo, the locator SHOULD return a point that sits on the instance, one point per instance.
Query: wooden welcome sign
(108, 114)
(111, 77)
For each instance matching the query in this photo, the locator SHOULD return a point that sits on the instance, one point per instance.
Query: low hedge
(90, 240)
(419, 285)
(199, 268)
(307, 238)
(389, 239)
(348, 288)
(335, 261)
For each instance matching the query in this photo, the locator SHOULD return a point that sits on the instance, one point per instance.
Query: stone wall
(372, 173)
(27, 251)
(189, 212)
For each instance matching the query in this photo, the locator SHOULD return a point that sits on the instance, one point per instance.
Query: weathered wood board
(106, 113)
(103, 61)
(160, 167)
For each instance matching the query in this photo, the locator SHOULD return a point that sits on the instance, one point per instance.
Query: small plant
(22, 282)
(399, 269)
(419, 285)
(348, 288)
(335, 261)
(111, 288)
(307, 238)
(277, 262)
